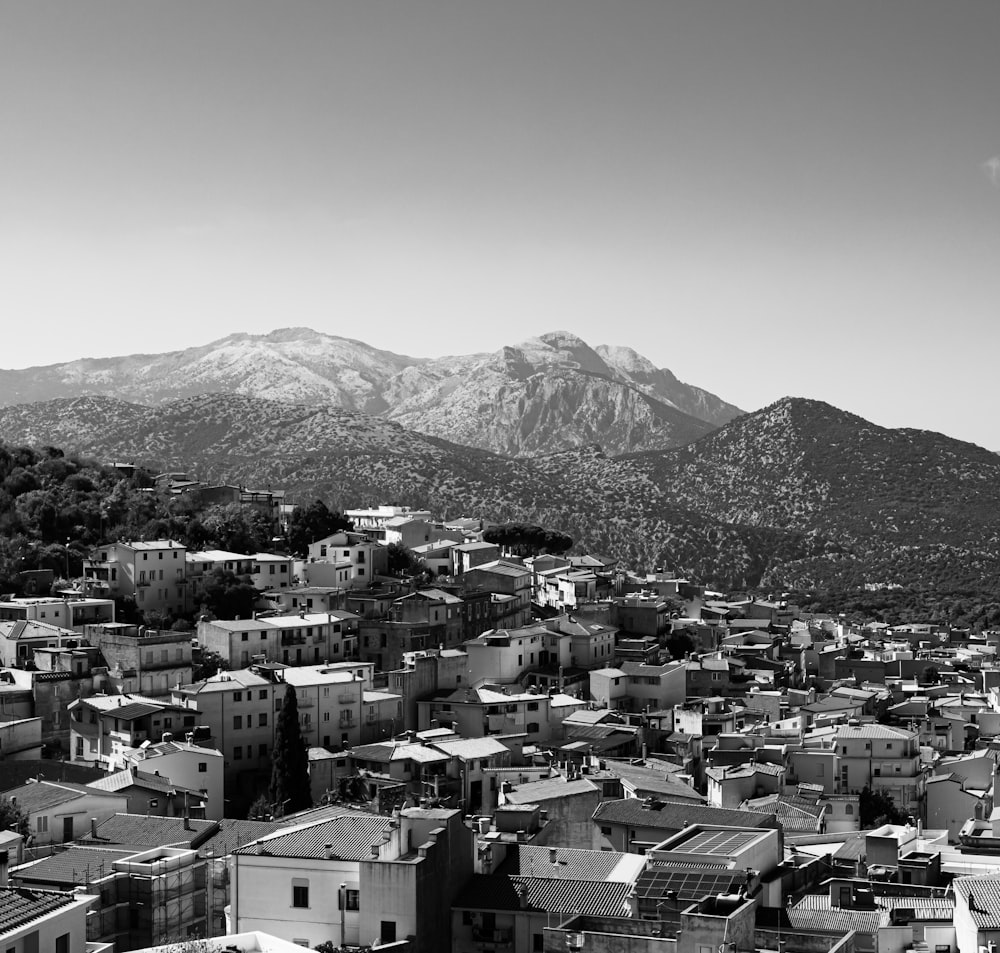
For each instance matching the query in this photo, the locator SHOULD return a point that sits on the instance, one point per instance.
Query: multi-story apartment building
(68, 613)
(153, 573)
(367, 559)
(297, 639)
(272, 571)
(882, 758)
(239, 709)
(475, 713)
(103, 728)
(146, 660)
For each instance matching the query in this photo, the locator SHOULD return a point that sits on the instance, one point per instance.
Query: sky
(768, 197)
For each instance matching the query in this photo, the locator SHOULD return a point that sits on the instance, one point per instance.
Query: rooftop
(19, 906)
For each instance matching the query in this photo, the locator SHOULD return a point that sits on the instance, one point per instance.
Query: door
(67, 829)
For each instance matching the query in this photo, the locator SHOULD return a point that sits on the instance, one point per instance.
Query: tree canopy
(527, 539)
(312, 522)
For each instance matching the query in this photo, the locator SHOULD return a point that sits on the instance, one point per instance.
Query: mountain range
(797, 495)
(548, 393)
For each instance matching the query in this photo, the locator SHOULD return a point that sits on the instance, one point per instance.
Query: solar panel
(717, 842)
(654, 883)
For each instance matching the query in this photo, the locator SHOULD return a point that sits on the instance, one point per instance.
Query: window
(263, 694)
(41, 824)
(237, 696)
(238, 753)
(262, 722)
(352, 900)
(531, 727)
(606, 830)
(262, 751)
(237, 721)
(300, 893)
(244, 636)
(532, 706)
(326, 716)
(849, 810)
(202, 767)
(62, 943)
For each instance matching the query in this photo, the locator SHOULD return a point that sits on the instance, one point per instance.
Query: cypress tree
(289, 790)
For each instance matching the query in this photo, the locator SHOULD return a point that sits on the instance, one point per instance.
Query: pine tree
(289, 790)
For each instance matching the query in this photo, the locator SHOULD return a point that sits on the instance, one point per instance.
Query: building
(68, 613)
(884, 758)
(144, 659)
(152, 573)
(355, 877)
(300, 638)
(58, 811)
(35, 920)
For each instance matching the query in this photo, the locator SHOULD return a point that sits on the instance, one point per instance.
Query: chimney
(327, 851)
(93, 827)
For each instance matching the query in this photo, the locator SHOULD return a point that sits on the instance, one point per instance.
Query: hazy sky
(769, 197)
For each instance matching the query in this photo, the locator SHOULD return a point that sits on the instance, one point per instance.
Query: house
(298, 638)
(951, 800)
(35, 920)
(373, 520)
(470, 555)
(510, 587)
(68, 612)
(186, 766)
(484, 711)
(271, 571)
(632, 825)
(152, 573)
(144, 659)
(513, 911)
(103, 727)
(58, 811)
(19, 640)
(239, 709)
(977, 913)
(367, 559)
(730, 785)
(884, 758)
(355, 877)
(570, 802)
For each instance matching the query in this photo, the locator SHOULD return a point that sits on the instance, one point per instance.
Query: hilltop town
(510, 746)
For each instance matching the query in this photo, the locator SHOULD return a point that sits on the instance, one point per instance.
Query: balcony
(346, 699)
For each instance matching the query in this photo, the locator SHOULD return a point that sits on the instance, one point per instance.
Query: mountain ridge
(798, 495)
(552, 390)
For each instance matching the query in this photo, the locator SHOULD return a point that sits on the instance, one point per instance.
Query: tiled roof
(573, 864)
(351, 836)
(500, 892)
(675, 815)
(471, 748)
(144, 832)
(19, 906)
(134, 710)
(609, 899)
(72, 867)
(42, 795)
(549, 789)
(234, 833)
(985, 906)
(874, 731)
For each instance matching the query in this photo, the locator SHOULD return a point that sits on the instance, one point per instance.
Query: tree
(877, 808)
(312, 522)
(228, 596)
(289, 790)
(12, 818)
(527, 539)
(403, 561)
(930, 675)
